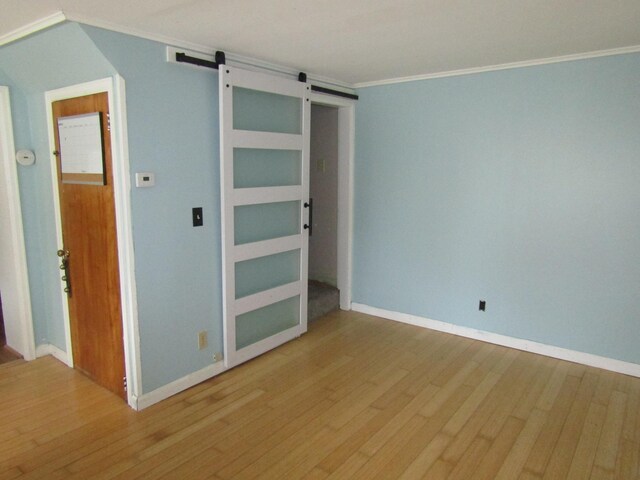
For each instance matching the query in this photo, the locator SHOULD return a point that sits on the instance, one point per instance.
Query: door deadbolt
(64, 266)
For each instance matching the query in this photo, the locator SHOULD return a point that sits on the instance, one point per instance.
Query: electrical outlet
(217, 357)
(202, 340)
(482, 305)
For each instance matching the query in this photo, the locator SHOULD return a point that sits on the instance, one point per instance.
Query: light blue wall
(520, 187)
(57, 57)
(173, 131)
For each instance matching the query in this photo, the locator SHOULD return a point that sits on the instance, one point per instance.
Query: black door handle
(309, 205)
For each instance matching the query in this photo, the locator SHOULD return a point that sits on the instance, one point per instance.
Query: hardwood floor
(355, 398)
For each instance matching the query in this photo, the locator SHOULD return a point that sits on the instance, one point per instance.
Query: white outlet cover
(145, 179)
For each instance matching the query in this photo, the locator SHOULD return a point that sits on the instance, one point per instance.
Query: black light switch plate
(197, 216)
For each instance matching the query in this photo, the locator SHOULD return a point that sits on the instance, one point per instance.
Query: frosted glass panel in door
(264, 221)
(263, 273)
(254, 167)
(266, 112)
(264, 322)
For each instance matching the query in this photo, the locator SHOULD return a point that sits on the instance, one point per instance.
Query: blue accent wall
(172, 114)
(60, 56)
(519, 187)
(173, 129)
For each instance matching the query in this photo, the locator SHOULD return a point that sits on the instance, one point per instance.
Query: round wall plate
(25, 157)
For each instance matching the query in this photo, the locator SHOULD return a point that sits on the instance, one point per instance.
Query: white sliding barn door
(264, 143)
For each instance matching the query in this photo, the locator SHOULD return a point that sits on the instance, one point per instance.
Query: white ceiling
(360, 41)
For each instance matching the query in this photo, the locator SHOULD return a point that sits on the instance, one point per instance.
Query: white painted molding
(124, 231)
(202, 51)
(503, 66)
(32, 27)
(48, 349)
(194, 49)
(178, 386)
(346, 160)
(346, 157)
(574, 356)
(18, 316)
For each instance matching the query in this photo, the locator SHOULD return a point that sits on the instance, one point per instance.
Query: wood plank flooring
(355, 398)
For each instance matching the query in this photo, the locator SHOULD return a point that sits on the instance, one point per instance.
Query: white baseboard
(589, 359)
(188, 381)
(48, 349)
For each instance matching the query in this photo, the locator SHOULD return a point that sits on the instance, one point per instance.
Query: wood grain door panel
(89, 235)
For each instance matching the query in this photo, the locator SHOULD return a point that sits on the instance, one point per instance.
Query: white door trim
(115, 88)
(346, 154)
(18, 317)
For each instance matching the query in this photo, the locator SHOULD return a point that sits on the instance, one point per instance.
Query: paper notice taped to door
(81, 150)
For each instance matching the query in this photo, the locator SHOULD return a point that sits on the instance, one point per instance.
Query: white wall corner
(574, 356)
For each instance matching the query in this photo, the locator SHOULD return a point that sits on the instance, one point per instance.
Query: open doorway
(329, 189)
(15, 309)
(6, 353)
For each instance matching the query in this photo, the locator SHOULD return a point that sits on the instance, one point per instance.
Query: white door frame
(346, 153)
(115, 88)
(16, 301)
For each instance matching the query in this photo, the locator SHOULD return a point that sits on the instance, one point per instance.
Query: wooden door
(89, 235)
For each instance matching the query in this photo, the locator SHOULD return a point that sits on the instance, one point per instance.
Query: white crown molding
(114, 27)
(203, 50)
(503, 66)
(32, 27)
(242, 60)
(560, 353)
(239, 60)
